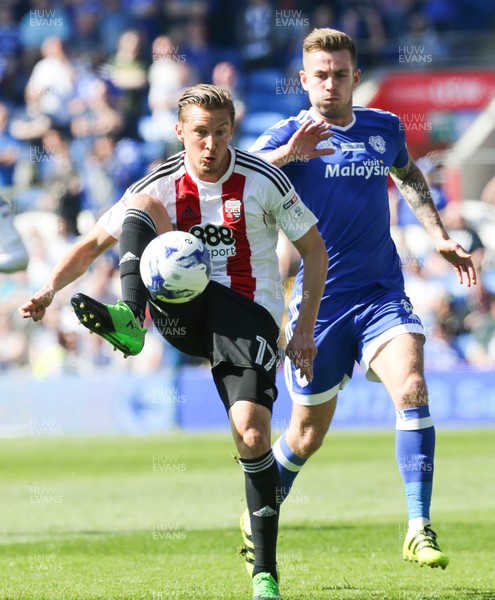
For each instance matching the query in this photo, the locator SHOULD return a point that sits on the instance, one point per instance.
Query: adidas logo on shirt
(187, 212)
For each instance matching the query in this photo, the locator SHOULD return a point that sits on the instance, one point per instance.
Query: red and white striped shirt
(237, 217)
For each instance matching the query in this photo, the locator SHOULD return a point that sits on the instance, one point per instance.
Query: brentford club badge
(232, 210)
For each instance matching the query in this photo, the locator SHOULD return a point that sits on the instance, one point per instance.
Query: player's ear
(304, 79)
(179, 131)
(357, 78)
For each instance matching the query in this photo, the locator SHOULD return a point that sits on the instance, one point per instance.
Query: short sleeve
(293, 216)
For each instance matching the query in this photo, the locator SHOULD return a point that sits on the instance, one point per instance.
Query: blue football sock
(415, 450)
(289, 465)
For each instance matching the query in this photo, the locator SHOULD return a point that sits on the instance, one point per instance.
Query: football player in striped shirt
(236, 203)
(339, 157)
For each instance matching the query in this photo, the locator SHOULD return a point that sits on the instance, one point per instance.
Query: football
(175, 267)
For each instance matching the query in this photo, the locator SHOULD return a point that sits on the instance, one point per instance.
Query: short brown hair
(328, 40)
(210, 97)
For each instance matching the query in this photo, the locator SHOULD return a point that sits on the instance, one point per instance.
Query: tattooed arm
(412, 185)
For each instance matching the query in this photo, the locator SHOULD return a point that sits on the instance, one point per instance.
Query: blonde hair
(329, 40)
(210, 97)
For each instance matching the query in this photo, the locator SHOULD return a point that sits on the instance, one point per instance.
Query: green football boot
(115, 323)
(421, 546)
(265, 587)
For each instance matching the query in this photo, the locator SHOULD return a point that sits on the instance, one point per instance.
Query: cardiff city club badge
(377, 143)
(232, 210)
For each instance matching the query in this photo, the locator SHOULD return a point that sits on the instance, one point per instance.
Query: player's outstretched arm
(301, 348)
(70, 267)
(414, 188)
(302, 146)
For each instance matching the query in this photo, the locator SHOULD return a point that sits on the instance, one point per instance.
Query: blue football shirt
(348, 192)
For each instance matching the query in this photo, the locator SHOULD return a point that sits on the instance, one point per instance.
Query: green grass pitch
(157, 518)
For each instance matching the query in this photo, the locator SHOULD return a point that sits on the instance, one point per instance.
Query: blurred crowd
(88, 95)
(459, 321)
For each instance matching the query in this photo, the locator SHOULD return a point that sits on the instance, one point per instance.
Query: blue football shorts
(350, 328)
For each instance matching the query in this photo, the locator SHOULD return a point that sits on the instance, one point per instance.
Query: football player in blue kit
(338, 157)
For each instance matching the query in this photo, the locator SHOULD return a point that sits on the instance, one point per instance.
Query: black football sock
(138, 229)
(262, 480)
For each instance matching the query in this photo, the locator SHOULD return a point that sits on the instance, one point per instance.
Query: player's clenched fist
(36, 306)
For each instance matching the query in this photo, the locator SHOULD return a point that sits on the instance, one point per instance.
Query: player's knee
(153, 207)
(144, 202)
(413, 391)
(256, 441)
(307, 440)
